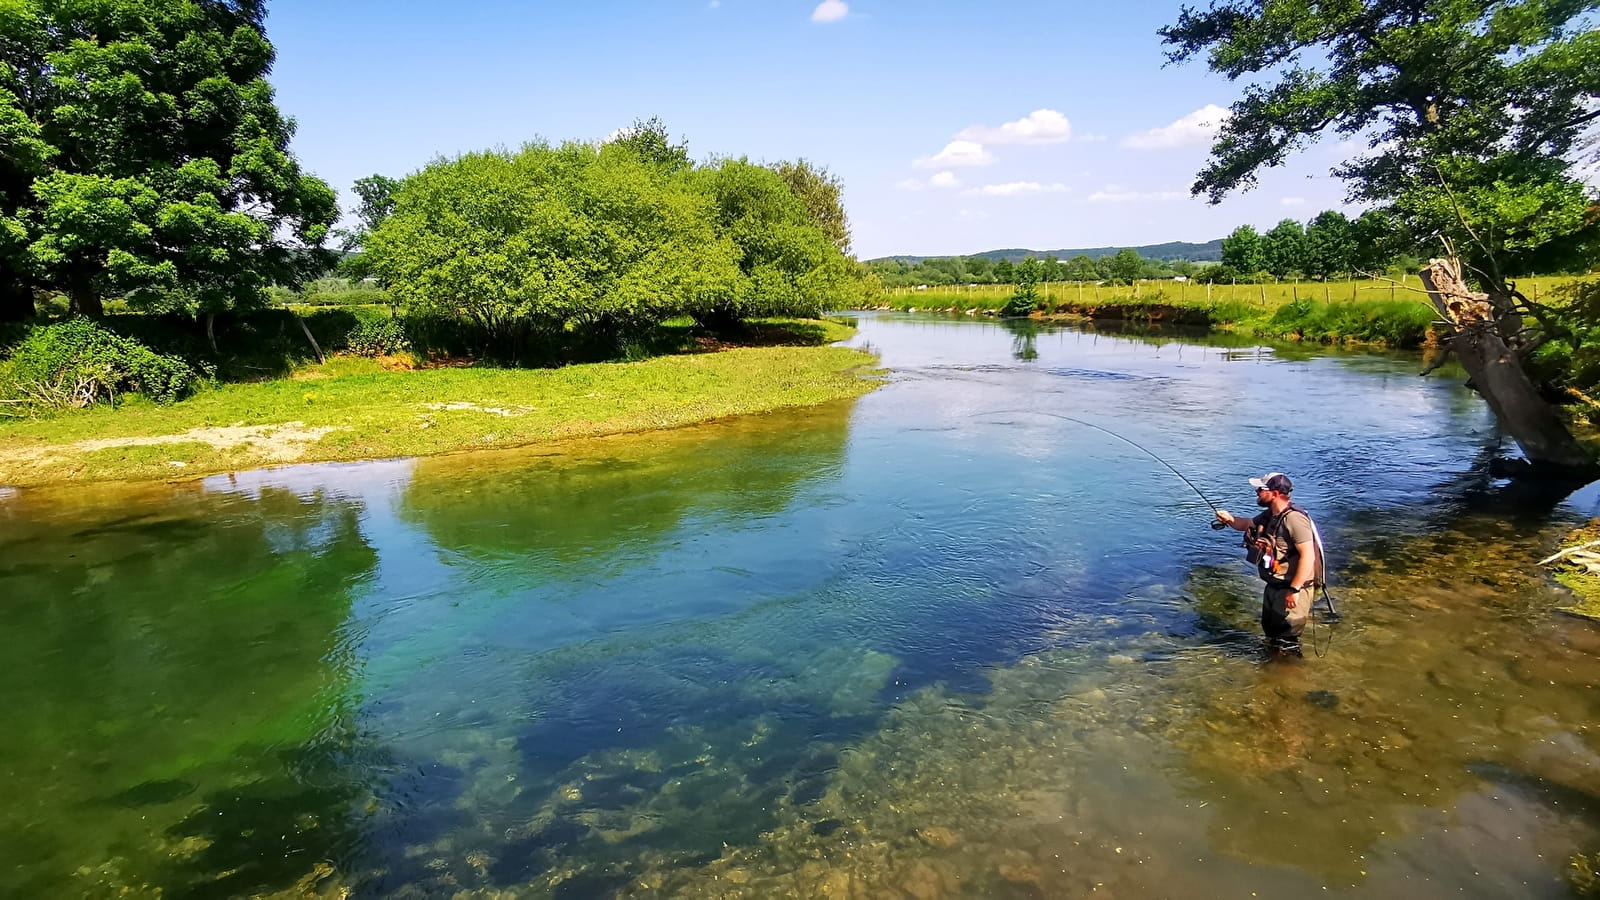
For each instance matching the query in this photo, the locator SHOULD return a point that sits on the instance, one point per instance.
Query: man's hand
(1225, 517)
(1288, 599)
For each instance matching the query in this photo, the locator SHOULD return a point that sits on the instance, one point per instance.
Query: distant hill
(1210, 251)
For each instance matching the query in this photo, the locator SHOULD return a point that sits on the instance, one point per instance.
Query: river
(928, 643)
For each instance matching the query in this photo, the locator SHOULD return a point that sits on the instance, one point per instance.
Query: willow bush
(550, 247)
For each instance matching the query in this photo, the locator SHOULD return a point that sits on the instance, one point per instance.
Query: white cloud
(957, 154)
(974, 214)
(940, 180)
(1093, 139)
(830, 11)
(1113, 194)
(1198, 127)
(1042, 126)
(1021, 187)
(1293, 201)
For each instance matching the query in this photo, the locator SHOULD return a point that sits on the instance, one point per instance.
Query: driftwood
(1568, 552)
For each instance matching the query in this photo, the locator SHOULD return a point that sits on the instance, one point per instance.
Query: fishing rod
(1216, 524)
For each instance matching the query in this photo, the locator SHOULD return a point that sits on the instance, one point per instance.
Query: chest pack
(1276, 560)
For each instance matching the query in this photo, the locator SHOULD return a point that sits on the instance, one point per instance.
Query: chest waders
(1273, 530)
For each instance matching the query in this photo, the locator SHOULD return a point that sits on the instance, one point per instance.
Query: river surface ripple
(929, 643)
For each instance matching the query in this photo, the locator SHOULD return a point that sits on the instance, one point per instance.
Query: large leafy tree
(1330, 245)
(1471, 112)
(822, 194)
(1127, 266)
(1283, 249)
(536, 243)
(790, 264)
(1241, 250)
(375, 196)
(144, 156)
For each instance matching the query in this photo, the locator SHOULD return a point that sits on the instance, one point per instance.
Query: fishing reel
(1218, 524)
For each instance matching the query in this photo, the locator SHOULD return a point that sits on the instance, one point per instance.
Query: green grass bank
(352, 408)
(1363, 311)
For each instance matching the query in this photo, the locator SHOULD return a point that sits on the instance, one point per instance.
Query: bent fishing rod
(1216, 524)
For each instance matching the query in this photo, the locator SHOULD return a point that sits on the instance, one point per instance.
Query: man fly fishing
(1282, 542)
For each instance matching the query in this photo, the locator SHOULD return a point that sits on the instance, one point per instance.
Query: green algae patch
(1579, 572)
(1584, 873)
(350, 409)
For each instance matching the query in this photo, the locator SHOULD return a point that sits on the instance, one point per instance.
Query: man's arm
(1237, 523)
(1305, 570)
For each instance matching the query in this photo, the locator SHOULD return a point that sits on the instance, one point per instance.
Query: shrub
(378, 338)
(1398, 323)
(79, 363)
(1020, 304)
(352, 297)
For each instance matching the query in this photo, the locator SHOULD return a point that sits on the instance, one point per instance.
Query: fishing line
(1217, 525)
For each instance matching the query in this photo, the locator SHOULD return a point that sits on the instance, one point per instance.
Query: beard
(1263, 502)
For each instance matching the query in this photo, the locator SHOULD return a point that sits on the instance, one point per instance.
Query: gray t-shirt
(1283, 533)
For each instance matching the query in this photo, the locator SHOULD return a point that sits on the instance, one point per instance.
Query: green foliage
(789, 266)
(378, 337)
(1026, 298)
(1283, 249)
(821, 193)
(376, 193)
(650, 143)
(1584, 874)
(1126, 267)
(358, 296)
(1471, 109)
(1571, 359)
(1397, 323)
(1330, 246)
(528, 245)
(1241, 250)
(149, 159)
(78, 363)
(1081, 268)
(549, 250)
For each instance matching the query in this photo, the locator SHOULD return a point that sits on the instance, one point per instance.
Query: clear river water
(928, 643)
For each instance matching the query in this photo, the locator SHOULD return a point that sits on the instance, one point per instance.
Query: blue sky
(956, 127)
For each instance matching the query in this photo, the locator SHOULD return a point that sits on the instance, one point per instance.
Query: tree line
(1123, 267)
(1329, 246)
(145, 160)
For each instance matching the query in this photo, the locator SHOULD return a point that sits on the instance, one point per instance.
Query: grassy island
(363, 408)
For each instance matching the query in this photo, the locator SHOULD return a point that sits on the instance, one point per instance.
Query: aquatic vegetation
(1584, 873)
(1579, 571)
